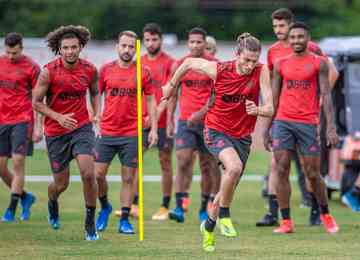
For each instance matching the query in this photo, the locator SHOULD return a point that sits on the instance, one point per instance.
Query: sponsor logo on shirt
(298, 84)
(123, 92)
(71, 95)
(202, 83)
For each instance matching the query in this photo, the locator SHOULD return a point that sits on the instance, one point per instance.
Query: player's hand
(67, 121)
(251, 108)
(170, 129)
(194, 119)
(168, 91)
(332, 137)
(95, 119)
(153, 138)
(267, 141)
(37, 135)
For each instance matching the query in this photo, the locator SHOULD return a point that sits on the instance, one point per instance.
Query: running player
(230, 120)
(18, 76)
(160, 65)
(297, 79)
(281, 21)
(118, 127)
(68, 130)
(195, 91)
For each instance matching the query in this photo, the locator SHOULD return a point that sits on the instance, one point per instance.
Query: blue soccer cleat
(351, 201)
(103, 217)
(125, 227)
(202, 216)
(177, 214)
(9, 216)
(91, 235)
(53, 218)
(26, 204)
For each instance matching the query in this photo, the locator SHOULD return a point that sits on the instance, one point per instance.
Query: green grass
(38, 164)
(168, 240)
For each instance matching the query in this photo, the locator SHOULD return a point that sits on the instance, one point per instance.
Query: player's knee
(62, 186)
(282, 169)
(128, 179)
(234, 170)
(88, 176)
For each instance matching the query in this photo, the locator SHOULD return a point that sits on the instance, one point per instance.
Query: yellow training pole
(140, 141)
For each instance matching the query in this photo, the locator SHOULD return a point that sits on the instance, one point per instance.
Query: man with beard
(18, 76)
(297, 79)
(68, 130)
(118, 127)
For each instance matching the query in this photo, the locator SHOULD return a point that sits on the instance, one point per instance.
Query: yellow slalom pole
(140, 141)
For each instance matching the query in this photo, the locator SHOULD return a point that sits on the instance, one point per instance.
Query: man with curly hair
(68, 129)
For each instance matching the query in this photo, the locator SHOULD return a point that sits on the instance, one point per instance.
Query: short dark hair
(283, 14)
(127, 33)
(301, 25)
(198, 30)
(55, 37)
(153, 28)
(12, 39)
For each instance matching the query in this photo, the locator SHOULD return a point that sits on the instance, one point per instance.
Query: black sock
(14, 199)
(166, 201)
(90, 219)
(104, 202)
(212, 197)
(136, 200)
(285, 213)
(273, 206)
(23, 195)
(210, 224)
(125, 211)
(224, 212)
(204, 201)
(314, 203)
(324, 209)
(53, 208)
(179, 197)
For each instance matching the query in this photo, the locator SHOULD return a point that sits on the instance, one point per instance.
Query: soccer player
(281, 21)
(118, 127)
(195, 91)
(160, 66)
(18, 76)
(297, 80)
(69, 134)
(230, 119)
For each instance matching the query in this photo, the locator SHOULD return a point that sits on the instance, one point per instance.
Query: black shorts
(63, 148)
(164, 142)
(217, 141)
(16, 139)
(126, 147)
(295, 136)
(190, 137)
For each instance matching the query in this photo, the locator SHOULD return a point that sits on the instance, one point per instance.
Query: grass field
(168, 240)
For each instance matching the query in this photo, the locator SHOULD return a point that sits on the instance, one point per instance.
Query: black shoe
(267, 221)
(314, 219)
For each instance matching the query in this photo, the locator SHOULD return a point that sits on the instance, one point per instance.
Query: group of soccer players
(218, 105)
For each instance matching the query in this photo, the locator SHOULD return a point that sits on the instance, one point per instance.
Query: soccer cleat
(267, 221)
(329, 223)
(103, 218)
(91, 235)
(125, 227)
(226, 228)
(177, 214)
(314, 218)
(53, 218)
(26, 204)
(351, 201)
(202, 216)
(186, 203)
(208, 242)
(9, 216)
(162, 214)
(286, 226)
(134, 211)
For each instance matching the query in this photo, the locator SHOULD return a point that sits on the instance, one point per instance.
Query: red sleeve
(314, 48)
(146, 82)
(34, 74)
(101, 84)
(269, 61)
